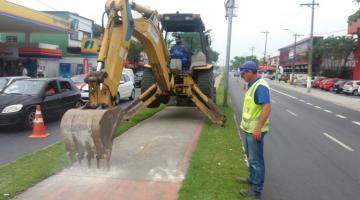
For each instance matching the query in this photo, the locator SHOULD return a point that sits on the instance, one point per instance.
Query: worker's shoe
(242, 180)
(250, 193)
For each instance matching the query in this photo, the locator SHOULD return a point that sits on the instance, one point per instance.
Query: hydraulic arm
(89, 132)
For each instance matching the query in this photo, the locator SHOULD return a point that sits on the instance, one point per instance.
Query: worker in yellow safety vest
(254, 125)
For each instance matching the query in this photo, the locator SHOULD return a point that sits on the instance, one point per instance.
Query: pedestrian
(254, 126)
(24, 71)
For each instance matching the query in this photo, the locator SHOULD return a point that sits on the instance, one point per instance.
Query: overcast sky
(254, 16)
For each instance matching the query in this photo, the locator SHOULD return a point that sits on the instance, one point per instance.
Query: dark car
(339, 86)
(284, 77)
(138, 79)
(54, 95)
(5, 81)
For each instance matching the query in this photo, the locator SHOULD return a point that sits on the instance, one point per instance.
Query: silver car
(5, 81)
(352, 87)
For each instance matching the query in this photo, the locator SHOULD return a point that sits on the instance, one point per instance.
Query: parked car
(82, 86)
(329, 83)
(130, 73)
(352, 87)
(317, 81)
(284, 77)
(271, 76)
(339, 86)
(126, 88)
(5, 81)
(54, 95)
(139, 79)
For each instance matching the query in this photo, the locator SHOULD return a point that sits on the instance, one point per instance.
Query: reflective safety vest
(251, 111)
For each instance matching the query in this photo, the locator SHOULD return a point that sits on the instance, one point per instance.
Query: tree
(134, 52)
(238, 61)
(335, 53)
(213, 55)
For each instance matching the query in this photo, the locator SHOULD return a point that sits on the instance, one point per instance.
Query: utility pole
(294, 58)
(230, 5)
(311, 47)
(294, 51)
(266, 38)
(252, 51)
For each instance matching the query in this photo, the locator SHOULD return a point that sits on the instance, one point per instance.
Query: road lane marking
(310, 104)
(337, 141)
(318, 107)
(283, 93)
(328, 111)
(357, 123)
(301, 100)
(289, 111)
(341, 116)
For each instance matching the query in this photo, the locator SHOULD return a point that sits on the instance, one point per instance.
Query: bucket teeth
(88, 134)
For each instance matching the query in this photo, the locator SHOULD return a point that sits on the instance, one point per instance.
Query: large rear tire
(148, 81)
(205, 81)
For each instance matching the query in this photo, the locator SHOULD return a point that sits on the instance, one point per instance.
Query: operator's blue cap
(248, 65)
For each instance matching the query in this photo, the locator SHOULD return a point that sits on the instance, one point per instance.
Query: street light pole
(252, 52)
(312, 5)
(266, 38)
(229, 6)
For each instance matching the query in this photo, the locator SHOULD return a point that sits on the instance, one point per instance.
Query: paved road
(14, 142)
(313, 149)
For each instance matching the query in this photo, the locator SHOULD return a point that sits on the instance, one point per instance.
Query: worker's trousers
(254, 150)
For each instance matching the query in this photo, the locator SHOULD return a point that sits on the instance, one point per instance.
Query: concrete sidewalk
(350, 102)
(148, 162)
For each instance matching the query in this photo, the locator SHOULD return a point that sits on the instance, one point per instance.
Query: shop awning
(16, 18)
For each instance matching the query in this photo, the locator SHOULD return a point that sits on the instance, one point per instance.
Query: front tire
(356, 93)
(117, 101)
(132, 97)
(29, 119)
(148, 81)
(205, 81)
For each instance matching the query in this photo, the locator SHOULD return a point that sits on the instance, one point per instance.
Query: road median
(215, 162)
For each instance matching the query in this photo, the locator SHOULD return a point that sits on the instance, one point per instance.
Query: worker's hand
(257, 133)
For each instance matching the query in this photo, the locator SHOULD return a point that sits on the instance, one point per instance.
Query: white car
(352, 87)
(126, 88)
(130, 73)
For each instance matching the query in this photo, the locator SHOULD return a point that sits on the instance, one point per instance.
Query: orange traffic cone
(39, 130)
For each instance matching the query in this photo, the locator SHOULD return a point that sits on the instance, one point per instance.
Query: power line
(47, 5)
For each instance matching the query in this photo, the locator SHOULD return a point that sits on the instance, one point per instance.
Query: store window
(74, 35)
(11, 38)
(86, 34)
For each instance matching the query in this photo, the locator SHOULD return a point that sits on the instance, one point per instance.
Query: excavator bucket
(88, 134)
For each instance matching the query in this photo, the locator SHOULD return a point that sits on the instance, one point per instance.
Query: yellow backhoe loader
(89, 131)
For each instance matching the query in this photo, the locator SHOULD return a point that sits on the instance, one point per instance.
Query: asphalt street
(313, 148)
(14, 141)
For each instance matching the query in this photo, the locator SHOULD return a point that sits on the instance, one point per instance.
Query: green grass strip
(215, 162)
(28, 170)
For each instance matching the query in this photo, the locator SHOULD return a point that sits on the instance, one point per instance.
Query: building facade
(301, 60)
(51, 54)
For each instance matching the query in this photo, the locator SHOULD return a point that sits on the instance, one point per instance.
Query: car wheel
(132, 95)
(29, 119)
(78, 104)
(117, 100)
(356, 93)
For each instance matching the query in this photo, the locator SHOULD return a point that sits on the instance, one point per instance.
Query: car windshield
(78, 79)
(26, 87)
(3, 82)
